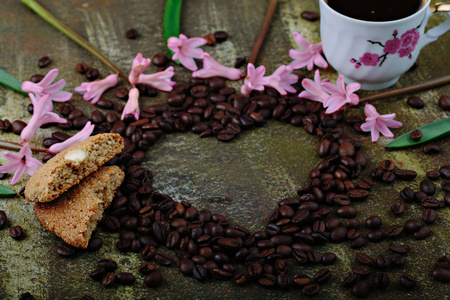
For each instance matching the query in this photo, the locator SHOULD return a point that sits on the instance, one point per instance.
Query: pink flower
(41, 116)
(313, 89)
(340, 94)
(43, 87)
(408, 37)
(132, 106)
(376, 123)
(405, 51)
(20, 163)
(140, 64)
(80, 136)
(186, 50)
(309, 56)
(282, 80)
(392, 46)
(211, 68)
(254, 80)
(370, 59)
(160, 80)
(94, 90)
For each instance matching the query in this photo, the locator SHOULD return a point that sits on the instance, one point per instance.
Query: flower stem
(263, 31)
(16, 147)
(44, 14)
(407, 89)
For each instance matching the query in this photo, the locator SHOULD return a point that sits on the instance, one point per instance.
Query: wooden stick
(16, 147)
(408, 89)
(264, 29)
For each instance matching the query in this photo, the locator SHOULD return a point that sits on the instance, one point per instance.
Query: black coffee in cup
(376, 10)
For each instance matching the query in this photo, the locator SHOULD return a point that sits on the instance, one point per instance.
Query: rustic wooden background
(242, 180)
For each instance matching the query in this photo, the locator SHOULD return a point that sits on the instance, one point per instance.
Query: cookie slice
(75, 214)
(71, 165)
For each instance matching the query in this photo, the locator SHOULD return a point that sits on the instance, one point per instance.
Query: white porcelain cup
(375, 54)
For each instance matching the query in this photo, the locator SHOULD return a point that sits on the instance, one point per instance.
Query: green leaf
(172, 20)
(6, 192)
(429, 132)
(11, 82)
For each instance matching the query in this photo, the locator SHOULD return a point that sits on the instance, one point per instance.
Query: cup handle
(432, 34)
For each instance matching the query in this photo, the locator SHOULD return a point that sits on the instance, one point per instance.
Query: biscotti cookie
(71, 165)
(75, 214)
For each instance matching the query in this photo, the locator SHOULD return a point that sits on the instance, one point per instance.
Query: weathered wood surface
(243, 180)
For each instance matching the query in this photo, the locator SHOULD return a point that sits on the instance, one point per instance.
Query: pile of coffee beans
(205, 245)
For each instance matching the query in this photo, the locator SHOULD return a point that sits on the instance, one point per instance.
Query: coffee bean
(412, 225)
(153, 279)
(322, 276)
(328, 258)
(427, 186)
(95, 243)
(26, 296)
(92, 74)
(240, 61)
(444, 102)
(17, 126)
(65, 250)
(407, 194)
(82, 67)
(405, 174)
(373, 222)
(16, 232)
(441, 274)
(351, 280)
(310, 289)
(388, 177)
(415, 102)
(433, 175)
(361, 289)
(160, 60)
(220, 36)
(429, 215)
(399, 207)
(422, 233)
(416, 135)
(346, 212)
(399, 248)
(397, 260)
(3, 218)
(125, 278)
(408, 281)
(108, 264)
(146, 268)
(43, 62)
(431, 149)
(394, 231)
(361, 270)
(132, 33)
(443, 262)
(5, 125)
(358, 243)
(109, 279)
(364, 259)
(338, 234)
(200, 273)
(382, 262)
(380, 280)
(310, 15)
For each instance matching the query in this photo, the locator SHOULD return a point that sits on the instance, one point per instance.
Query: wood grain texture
(243, 180)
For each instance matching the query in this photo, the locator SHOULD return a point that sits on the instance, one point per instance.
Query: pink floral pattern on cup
(403, 46)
